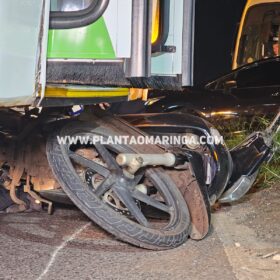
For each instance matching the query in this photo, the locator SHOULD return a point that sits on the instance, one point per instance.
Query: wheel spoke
(137, 178)
(107, 157)
(104, 187)
(150, 201)
(98, 168)
(126, 198)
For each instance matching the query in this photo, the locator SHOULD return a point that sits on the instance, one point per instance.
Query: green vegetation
(237, 130)
(270, 172)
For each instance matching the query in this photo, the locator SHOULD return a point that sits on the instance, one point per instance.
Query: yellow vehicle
(259, 32)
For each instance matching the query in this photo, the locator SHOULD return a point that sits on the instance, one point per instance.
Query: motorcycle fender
(197, 200)
(159, 124)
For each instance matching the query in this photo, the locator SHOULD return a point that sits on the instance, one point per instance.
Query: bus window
(66, 14)
(70, 5)
(260, 35)
(160, 24)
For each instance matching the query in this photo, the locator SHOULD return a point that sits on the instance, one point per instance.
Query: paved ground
(243, 244)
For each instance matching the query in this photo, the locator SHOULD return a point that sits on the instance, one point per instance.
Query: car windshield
(260, 35)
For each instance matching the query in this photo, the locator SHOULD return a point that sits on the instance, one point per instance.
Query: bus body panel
(23, 28)
(170, 63)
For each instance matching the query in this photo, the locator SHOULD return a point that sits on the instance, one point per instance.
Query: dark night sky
(216, 27)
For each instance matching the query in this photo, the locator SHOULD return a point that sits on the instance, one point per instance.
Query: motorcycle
(123, 187)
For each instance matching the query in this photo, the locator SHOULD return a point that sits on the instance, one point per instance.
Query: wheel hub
(94, 180)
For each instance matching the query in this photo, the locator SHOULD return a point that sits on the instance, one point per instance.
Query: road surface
(244, 243)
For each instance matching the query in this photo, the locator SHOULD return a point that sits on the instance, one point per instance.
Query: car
(249, 90)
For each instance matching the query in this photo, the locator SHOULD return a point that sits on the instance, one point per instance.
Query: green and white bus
(63, 52)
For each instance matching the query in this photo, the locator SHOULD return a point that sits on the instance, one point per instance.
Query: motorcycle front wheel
(91, 177)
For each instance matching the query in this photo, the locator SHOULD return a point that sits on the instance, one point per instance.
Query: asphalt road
(243, 244)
